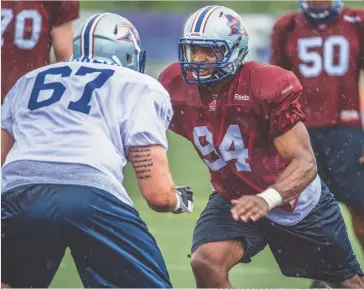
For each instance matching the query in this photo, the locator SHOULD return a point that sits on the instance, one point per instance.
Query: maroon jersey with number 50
(234, 132)
(327, 60)
(25, 35)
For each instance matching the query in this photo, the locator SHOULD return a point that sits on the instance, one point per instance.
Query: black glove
(184, 200)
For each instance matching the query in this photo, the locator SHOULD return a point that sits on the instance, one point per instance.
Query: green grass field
(174, 232)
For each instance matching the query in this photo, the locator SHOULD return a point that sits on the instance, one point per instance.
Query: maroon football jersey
(25, 35)
(327, 60)
(234, 132)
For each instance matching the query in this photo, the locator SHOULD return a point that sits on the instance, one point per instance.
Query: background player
(29, 29)
(70, 128)
(246, 124)
(323, 45)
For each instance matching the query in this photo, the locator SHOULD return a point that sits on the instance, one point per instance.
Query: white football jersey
(82, 115)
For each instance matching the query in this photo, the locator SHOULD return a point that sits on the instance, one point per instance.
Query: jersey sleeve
(63, 12)
(149, 121)
(166, 79)
(278, 41)
(7, 108)
(285, 110)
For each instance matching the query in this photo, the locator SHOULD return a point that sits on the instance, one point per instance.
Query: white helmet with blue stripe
(111, 37)
(216, 27)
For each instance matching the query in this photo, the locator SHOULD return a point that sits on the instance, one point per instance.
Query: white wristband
(178, 204)
(272, 197)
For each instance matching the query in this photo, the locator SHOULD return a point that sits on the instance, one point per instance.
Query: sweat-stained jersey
(234, 133)
(327, 60)
(73, 122)
(25, 35)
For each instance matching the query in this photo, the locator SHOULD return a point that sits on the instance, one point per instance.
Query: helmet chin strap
(116, 60)
(215, 75)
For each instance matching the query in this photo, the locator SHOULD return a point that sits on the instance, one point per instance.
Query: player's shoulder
(264, 74)
(34, 73)
(353, 15)
(179, 90)
(125, 76)
(20, 5)
(266, 81)
(51, 5)
(141, 80)
(287, 20)
(170, 74)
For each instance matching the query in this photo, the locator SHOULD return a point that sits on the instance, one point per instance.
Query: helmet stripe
(85, 36)
(201, 17)
(81, 41)
(92, 36)
(196, 17)
(207, 18)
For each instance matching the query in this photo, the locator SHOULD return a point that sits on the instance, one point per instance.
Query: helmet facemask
(225, 64)
(321, 14)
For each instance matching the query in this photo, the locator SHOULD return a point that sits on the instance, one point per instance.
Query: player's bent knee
(354, 282)
(202, 265)
(200, 259)
(359, 230)
(217, 257)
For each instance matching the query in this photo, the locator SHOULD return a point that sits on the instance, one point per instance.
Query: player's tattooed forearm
(142, 162)
(140, 150)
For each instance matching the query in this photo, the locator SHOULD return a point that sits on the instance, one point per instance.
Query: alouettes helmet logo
(235, 25)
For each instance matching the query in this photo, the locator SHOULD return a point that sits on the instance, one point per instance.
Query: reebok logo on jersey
(287, 89)
(241, 97)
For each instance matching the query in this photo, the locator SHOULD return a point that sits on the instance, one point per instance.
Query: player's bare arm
(155, 181)
(62, 40)
(294, 146)
(7, 143)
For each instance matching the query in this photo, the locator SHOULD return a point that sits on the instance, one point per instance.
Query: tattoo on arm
(141, 160)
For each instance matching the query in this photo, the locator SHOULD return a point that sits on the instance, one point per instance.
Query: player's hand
(185, 200)
(249, 208)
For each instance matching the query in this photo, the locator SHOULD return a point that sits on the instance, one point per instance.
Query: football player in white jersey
(68, 129)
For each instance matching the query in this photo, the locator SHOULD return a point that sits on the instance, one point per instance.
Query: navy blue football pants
(110, 244)
(337, 151)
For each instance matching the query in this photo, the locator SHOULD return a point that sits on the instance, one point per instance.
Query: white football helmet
(109, 36)
(216, 27)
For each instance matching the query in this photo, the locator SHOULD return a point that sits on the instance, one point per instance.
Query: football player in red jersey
(29, 28)
(245, 121)
(323, 45)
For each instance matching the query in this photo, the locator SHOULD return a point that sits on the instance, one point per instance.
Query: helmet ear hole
(128, 58)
